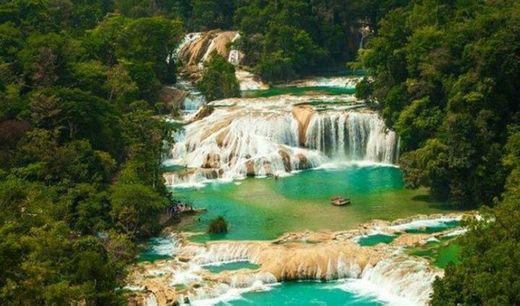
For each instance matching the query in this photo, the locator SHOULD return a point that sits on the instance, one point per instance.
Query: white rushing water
(194, 100)
(334, 81)
(277, 136)
(234, 54)
(351, 136)
(165, 246)
(425, 223)
(274, 136)
(396, 281)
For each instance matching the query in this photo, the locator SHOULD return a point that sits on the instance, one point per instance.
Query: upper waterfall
(277, 135)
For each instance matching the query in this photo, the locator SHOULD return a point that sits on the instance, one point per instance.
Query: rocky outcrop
(203, 112)
(172, 98)
(249, 81)
(302, 114)
(198, 47)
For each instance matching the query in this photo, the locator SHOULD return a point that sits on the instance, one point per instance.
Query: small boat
(339, 201)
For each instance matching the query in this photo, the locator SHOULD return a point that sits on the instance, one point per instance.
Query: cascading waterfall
(262, 137)
(234, 54)
(383, 273)
(398, 280)
(194, 99)
(186, 41)
(352, 136)
(219, 253)
(395, 279)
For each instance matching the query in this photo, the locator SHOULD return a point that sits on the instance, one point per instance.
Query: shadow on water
(424, 198)
(436, 203)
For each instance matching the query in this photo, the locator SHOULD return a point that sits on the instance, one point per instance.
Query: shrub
(218, 226)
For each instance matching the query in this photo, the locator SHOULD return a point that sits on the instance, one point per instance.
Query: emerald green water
(371, 240)
(266, 208)
(440, 253)
(304, 293)
(297, 91)
(231, 266)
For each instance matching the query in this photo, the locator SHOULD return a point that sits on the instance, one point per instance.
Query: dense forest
(80, 146)
(446, 77)
(82, 85)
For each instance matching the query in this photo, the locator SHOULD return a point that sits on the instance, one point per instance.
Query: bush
(218, 226)
(218, 79)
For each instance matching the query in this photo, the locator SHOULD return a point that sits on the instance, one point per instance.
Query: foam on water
(160, 248)
(335, 81)
(396, 281)
(193, 101)
(151, 300)
(443, 222)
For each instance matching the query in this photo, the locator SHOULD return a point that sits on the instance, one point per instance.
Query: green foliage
(218, 79)
(488, 273)
(364, 89)
(180, 9)
(284, 40)
(446, 77)
(142, 46)
(79, 151)
(448, 84)
(218, 226)
(135, 207)
(211, 14)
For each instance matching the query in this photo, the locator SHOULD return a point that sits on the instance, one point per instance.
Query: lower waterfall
(399, 280)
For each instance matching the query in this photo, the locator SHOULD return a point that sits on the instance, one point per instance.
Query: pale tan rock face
(196, 51)
(212, 161)
(303, 114)
(193, 54)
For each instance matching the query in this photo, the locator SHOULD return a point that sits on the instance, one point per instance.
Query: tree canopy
(446, 77)
(218, 79)
(80, 146)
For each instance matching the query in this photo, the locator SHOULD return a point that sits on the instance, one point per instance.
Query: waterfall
(352, 136)
(186, 41)
(193, 100)
(219, 253)
(399, 280)
(262, 137)
(234, 54)
(365, 31)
